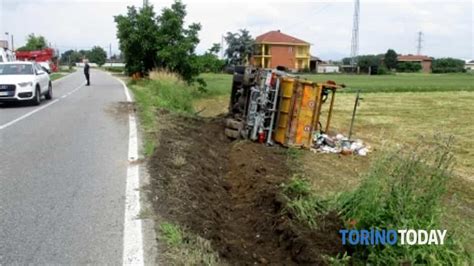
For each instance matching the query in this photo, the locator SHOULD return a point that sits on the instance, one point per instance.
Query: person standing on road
(86, 72)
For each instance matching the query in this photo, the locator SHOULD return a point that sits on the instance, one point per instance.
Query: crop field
(401, 82)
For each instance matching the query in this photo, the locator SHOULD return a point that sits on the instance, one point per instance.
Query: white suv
(24, 81)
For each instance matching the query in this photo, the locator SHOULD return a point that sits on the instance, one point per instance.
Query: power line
(355, 34)
(319, 10)
(419, 41)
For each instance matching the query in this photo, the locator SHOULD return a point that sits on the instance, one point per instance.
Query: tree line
(388, 62)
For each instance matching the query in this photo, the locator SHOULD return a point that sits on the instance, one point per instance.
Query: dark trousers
(87, 78)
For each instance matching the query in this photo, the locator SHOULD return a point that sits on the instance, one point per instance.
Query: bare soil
(229, 193)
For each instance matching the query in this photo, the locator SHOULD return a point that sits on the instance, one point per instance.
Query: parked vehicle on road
(24, 81)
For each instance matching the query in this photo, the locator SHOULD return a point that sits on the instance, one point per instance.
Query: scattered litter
(324, 143)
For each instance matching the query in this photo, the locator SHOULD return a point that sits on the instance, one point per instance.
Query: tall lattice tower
(355, 34)
(419, 41)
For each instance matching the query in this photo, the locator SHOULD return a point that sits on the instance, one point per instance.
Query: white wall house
(469, 65)
(327, 68)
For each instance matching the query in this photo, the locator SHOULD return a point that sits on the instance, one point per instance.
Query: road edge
(132, 231)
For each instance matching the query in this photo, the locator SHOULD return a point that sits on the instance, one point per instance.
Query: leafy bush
(210, 63)
(448, 65)
(408, 67)
(383, 70)
(115, 69)
(403, 190)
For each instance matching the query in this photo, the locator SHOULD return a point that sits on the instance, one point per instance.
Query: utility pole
(110, 53)
(11, 35)
(145, 3)
(222, 47)
(355, 34)
(419, 41)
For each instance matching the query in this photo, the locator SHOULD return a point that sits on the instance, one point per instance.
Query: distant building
(423, 60)
(327, 68)
(469, 65)
(275, 48)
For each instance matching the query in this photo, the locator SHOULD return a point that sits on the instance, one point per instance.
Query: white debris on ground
(324, 143)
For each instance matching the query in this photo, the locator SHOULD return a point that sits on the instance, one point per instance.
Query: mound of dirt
(229, 193)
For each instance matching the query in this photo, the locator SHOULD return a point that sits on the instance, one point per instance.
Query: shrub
(403, 190)
(408, 67)
(448, 65)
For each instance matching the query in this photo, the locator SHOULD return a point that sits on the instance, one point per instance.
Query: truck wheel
(49, 94)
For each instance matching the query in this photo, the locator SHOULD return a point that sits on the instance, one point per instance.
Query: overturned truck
(273, 106)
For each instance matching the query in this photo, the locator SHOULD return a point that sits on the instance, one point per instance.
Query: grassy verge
(162, 91)
(168, 93)
(55, 76)
(114, 69)
(404, 189)
(185, 248)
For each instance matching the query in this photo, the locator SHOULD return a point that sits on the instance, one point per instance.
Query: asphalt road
(62, 176)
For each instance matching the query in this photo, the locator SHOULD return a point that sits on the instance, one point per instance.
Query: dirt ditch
(229, 193)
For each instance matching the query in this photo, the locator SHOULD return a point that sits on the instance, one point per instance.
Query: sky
(447, 26)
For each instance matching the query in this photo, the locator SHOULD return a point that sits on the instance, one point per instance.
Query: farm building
(469, 65)
(327, 68)
(275, 48)
(423, 60)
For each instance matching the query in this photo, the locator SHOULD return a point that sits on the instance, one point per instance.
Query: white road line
(132, 229)
(14, 121)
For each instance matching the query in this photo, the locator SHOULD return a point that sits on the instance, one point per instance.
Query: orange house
(275, 48)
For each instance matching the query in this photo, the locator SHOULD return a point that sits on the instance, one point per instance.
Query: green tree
(137, 34)
(177, 44)
(97, 55)
(33, 43)
(209, 61)
(447, 65)
(239, 47)
(346, 61)
(391, 59)
(148, 41)
(215, 48)
(368, 62)
(70, 57)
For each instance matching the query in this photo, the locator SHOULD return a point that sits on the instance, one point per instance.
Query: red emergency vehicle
(41, 56)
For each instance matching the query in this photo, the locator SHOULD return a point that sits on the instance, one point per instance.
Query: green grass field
(219, 84)
(401, 82)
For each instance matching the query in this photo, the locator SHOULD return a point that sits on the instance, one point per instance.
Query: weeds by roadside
(403, 190)
(185, 248)
(302, 202)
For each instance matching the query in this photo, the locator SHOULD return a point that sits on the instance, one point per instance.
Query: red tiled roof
(414, 58)
(276, 36)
